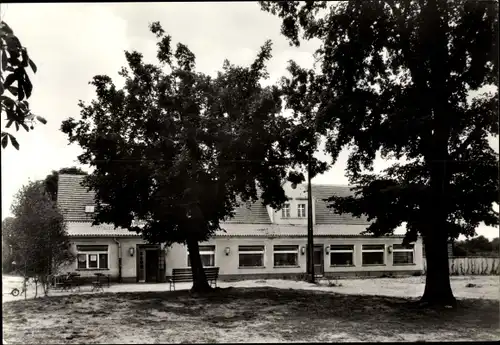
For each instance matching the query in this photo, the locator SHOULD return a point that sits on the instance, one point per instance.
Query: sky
(72, 42)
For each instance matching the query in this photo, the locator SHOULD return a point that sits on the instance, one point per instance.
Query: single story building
(259, 242)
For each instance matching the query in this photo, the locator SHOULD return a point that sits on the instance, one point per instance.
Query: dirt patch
(242, 315)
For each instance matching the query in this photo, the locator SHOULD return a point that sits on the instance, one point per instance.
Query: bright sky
(72, 42)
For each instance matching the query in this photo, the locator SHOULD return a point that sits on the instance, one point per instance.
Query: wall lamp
(327, 249)
(131, 251)
(302, 250)
(227, 250)
(389, 249)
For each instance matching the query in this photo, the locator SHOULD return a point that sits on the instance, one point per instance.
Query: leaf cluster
(15, 80)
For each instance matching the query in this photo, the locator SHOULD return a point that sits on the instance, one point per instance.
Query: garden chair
(97, 283)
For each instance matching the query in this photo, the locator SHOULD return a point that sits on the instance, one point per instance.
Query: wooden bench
(181, 275)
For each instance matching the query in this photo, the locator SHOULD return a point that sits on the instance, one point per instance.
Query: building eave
(305, 236)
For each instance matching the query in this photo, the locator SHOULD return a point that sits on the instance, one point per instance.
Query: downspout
(119, 259)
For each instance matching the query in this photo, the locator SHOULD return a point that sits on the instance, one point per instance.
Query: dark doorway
(318, 260)
(151, 266)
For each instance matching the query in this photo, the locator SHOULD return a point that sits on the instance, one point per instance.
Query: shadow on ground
(242, 315)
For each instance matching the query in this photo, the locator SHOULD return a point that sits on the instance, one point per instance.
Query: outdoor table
(96, 284)
(99, 276)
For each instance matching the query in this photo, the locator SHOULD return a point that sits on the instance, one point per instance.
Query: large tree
(177, 149)
(406, 79)
(52, 180)
(13, 70)
(37, 233)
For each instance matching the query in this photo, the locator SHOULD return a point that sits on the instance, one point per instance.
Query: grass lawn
(258, 314)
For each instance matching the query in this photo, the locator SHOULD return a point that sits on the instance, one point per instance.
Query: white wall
(358, 255)
(128, 262)
(177, 255)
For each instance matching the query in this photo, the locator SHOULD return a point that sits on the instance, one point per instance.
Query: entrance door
(151, 266)
(318, 260)
(141, 265)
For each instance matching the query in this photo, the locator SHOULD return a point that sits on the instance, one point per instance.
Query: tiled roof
(73, 197)
(280, 230)
(324, 215)
(250, 213)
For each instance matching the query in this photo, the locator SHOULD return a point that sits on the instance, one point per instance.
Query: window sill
(92, 269)
(295, 266)
(342, 265)
(368, 265)
(251, 267)
(412, 264)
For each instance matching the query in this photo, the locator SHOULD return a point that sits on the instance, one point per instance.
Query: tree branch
(461, 149)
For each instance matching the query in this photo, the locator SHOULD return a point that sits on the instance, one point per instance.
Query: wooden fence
(474, 265)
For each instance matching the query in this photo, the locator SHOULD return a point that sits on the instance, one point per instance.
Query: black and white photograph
(250, 172)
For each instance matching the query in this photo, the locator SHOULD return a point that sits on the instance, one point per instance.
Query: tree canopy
(178, 149)
(37, 233)
(14, 104)
(408, 79)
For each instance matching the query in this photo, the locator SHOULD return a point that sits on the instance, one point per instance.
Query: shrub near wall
(479, 265)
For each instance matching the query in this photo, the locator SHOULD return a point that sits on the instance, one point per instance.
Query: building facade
(258, 242)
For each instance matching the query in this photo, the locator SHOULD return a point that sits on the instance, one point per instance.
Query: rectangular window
(92, 257)
(207, 254)
(301, 210)
(285, 211)
(373, 254)
(402, 255)
(82, 260)
(341, 255)
(251, 256)
(286, 255)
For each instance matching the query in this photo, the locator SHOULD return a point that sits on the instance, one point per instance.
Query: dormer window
(285, 211)
(89, 209)
(301, 210)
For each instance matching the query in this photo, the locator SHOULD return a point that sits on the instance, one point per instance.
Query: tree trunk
(437, 283)
(36, 287)
(44, 280)
(200, 283)
(24, 281)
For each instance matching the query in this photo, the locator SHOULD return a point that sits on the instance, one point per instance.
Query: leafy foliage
(301, 96)
(177, 149)
(408, 79)
(51, 181)
(395, 77)
(37, 233)
(6, 251)
(477, 246)
(14, 61)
